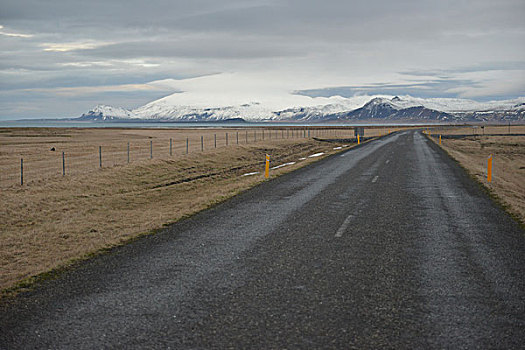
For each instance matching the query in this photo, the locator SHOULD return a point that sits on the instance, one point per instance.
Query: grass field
(472, 152)
(41, 148)
(53, 219)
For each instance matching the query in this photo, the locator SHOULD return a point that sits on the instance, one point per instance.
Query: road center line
(387, 161)
(344, 226)
(375, 178)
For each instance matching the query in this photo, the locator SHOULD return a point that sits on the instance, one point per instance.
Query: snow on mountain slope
(227, 96)
(452, 105)
(103, 112)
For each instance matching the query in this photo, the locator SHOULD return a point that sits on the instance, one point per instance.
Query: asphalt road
(386, 245)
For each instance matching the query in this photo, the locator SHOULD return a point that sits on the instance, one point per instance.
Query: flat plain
(507, 146)
(52, 219)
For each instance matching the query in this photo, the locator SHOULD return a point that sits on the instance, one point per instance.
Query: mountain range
(334, 109)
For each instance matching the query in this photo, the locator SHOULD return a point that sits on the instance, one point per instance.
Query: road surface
(389, 244)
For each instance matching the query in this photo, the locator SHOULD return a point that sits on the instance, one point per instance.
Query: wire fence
(478, 130)
(38, 162)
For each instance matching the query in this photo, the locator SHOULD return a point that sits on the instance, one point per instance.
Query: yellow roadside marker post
(440, 139)
(489, 169)
(267, 169)
(358, 141)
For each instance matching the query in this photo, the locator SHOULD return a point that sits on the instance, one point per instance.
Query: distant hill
(379, 108)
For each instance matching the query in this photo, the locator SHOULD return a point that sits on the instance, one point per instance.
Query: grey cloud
(512, 65)
(425, 89)
(418, 38)
(196, 47)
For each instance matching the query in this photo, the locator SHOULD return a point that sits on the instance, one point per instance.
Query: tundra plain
(53, 220)
(507, 146)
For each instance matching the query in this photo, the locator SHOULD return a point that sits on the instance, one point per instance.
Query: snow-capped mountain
(394, 109)
(336, 108)
(102, 112)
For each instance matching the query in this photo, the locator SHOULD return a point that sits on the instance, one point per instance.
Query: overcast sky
(59, 58)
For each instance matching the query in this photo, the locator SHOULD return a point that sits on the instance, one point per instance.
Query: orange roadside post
(267, 168)
(489, 169)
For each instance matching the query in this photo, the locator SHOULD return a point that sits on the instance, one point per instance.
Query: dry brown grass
(81, 146)
(54, 219)
(476, 130)
(508, 179)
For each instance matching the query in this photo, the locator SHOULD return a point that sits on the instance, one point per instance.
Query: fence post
(255, 136)
(237, 137)
(187, 144)
(128, 152)
(263, 134)
(215, 140)
(246, 136)
(151, 149)
(100, 156)
(63, 164)
(304, 133)
(171, 151)
(202, 143)
(226, 139)
(21, 171)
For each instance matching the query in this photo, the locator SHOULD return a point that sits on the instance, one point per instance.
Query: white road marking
(387, 161)
(344, 226)
(375, 178)
(280, 166)
(316, 155)
(302, 158)
(338, 147)
(249, 174)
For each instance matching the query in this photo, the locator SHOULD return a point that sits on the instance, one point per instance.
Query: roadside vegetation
(471, 147)
(51, 222)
